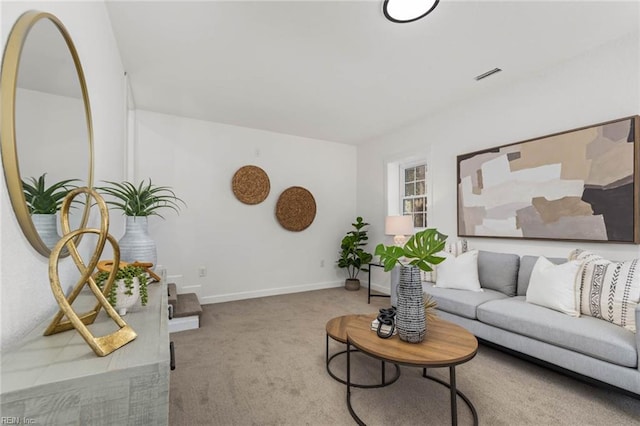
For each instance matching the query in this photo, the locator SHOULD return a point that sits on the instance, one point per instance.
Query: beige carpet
(262, 362)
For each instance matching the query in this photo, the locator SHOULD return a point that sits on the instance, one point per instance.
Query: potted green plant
(352, 255)
(137, 203)
(419, 253)
(145, 199)
(43, 203)
(130, 283)
(45, 200)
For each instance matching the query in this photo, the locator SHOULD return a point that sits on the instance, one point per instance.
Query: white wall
(592, 88)
(244, 249)
(25, 295)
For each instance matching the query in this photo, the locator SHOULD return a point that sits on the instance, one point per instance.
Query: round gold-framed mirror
(46, 136)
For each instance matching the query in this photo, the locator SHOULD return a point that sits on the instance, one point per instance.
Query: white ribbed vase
(410, 315)
(47, 227)
(136, 244)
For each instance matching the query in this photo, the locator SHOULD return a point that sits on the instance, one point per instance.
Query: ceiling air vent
(487, 74)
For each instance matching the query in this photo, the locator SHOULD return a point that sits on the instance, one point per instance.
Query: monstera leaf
(420, 251)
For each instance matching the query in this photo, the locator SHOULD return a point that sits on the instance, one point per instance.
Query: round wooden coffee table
(336, 329)
(445, 345)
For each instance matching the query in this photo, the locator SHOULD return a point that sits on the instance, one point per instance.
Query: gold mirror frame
(8, 87)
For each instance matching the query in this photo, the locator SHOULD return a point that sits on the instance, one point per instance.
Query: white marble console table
(58, 379)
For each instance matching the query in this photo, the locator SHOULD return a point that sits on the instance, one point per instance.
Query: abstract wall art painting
(579, 185)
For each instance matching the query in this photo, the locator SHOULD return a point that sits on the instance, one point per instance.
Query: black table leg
(454, 392)
(454, 399)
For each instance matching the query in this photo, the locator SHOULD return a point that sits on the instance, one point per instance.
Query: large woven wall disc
(296, 208)
(250, 184)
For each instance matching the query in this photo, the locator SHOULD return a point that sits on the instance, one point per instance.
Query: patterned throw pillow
(456, 248)
(609, 290)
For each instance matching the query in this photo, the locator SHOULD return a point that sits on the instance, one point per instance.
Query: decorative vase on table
(410, 315)
(136, 244)
(47, 227)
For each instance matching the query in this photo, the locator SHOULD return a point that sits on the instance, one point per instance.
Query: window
(413, 193)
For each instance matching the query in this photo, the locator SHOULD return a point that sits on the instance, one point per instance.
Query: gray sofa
(588, 346)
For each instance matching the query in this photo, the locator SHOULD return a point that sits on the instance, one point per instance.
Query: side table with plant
(353, 257)
(419, 253)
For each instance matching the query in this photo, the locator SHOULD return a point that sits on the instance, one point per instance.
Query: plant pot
(47, 227)
(410, 316)
(125, 301)
(136, 244)
(352, 284)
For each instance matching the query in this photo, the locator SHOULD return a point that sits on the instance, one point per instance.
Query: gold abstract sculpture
(103, 345)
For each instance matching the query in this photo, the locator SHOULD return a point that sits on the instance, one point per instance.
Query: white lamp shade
(398, 225)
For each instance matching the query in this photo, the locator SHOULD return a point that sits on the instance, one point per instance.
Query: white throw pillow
(458, 272)
(456, 248)
(556, 287)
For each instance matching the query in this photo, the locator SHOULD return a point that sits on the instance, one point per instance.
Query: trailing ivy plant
(420, 251)
(45, 200)
(126, 273)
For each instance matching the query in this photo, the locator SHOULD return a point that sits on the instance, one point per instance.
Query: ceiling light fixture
(402, 11)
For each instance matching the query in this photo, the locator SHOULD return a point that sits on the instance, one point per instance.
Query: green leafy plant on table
(145, 199)
(127, 274)
(45, 200)
(420, 250)
(352, 255)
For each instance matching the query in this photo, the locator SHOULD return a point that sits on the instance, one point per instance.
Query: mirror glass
(52, 126)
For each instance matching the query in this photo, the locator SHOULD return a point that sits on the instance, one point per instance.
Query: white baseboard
(382, 288)
(205, 300)
(184, 323)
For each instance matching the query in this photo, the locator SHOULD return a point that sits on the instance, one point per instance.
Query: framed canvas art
(579, 185)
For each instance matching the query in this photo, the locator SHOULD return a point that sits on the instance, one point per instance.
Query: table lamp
(399, 227)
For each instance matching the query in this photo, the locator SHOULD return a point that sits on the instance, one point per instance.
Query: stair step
(173, 295)
(187, 305)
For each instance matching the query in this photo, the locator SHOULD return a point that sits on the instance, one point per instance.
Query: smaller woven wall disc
(296, 208)
(250, 184)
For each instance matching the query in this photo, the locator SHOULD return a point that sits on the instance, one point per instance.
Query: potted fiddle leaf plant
(419, 253)
(137, 203)
(130, 284)
(352, 255)
(43, 202)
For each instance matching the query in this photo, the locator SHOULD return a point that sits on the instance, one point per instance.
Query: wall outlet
(202, 271)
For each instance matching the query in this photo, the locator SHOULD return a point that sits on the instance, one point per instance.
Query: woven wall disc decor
(296, 208)
(250, 184)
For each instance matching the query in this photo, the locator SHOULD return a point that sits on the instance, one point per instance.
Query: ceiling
(338, 70)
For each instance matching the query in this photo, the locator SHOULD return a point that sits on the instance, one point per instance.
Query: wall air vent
(487, 74)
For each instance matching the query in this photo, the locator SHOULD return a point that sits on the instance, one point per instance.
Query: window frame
(402, 168)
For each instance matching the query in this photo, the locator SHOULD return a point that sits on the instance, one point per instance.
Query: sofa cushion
(526, 266)
(589, 336)
(460, 302)
(556, 287)
(460, 272)
(610, 290)
(498, 271)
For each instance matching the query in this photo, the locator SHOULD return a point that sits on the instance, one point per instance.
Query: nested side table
(336, 330)
(445, 345)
